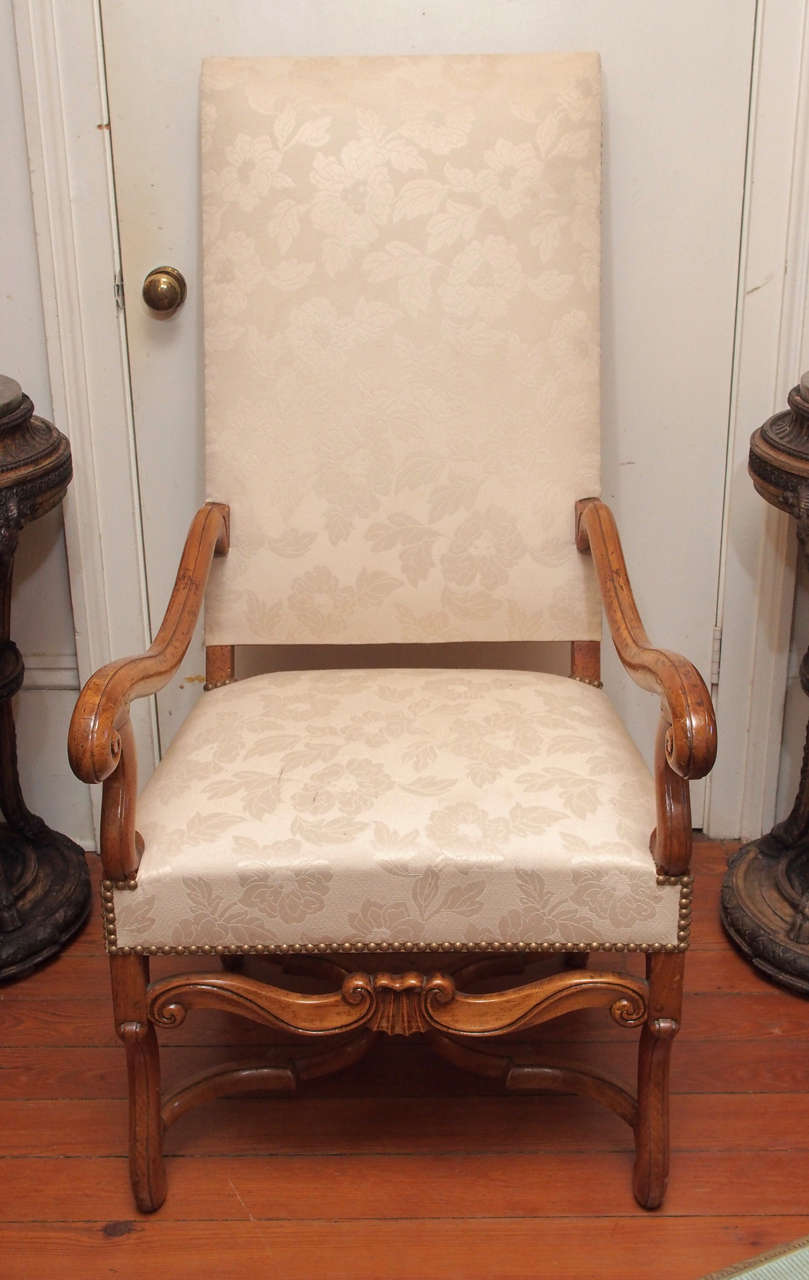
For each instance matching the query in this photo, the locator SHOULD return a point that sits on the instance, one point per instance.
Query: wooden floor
(403, 1167)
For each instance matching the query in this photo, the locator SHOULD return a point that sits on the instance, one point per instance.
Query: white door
(676, 92)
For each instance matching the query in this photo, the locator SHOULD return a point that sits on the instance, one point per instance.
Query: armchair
(401, 275)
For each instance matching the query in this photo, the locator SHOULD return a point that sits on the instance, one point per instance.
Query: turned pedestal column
(765, 895)
(44, 885)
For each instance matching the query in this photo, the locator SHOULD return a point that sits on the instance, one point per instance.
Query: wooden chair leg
(130, 977)
(665, 975)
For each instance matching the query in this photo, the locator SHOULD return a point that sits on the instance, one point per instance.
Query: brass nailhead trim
(108, 917)
(131, 882)
(348, 948)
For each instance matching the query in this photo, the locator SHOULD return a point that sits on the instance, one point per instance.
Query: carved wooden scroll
(400, 1003)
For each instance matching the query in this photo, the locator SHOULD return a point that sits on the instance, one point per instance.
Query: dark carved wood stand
(44, 884)
(765, 895)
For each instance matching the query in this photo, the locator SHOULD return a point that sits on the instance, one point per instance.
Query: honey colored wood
(444, 1174)
(397, 1123)
(398, 1003)
(665, 974)
(690, 739)
(533, 1077)
(685, 747)
(483, 1248)
(418, 1174)
(101, 744)
(130, 977)
(220, 665)
(302, 1184)
(585, 661)
(671, 841)
(94, 743)
(75, 1024)
(265, 1077)
(120, 843)
(94, 1071)
(305, 1015)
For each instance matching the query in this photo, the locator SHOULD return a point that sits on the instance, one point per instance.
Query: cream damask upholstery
(402, 809)
(402, 417)
(401, 287)
(402, 345)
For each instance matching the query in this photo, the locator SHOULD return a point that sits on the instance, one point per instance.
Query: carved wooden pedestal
(341, 1023)
(44, 885)
(765, 895)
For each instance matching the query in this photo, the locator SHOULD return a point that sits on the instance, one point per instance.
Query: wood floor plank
(711, 856)
(706, 927)
(71, 973)
(316, 1125)
(43, 1022)
(702, 1122)
(542, 1185)
(404, 1167)
(441, 1249)
(726, 972)
(414, 1071)
(727, 1015)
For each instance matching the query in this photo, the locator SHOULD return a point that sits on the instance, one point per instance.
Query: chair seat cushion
(398, 809)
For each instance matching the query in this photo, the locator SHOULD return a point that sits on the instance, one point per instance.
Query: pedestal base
(758, 916)
(54, 905)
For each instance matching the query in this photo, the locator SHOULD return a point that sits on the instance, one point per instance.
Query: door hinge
(716, 655)
(118, 289)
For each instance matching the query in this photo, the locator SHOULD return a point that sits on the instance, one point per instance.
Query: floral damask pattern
(402, 345)
(413, 806)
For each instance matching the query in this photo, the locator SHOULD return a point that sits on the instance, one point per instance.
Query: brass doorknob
(164, 290)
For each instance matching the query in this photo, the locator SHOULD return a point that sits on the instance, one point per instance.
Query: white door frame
(61, 68)
(757, 576)
(67, 131)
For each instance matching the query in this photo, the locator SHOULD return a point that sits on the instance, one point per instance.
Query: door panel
(676, 88)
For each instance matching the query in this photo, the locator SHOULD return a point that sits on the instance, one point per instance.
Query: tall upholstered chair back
(402, 345)
(402, 396)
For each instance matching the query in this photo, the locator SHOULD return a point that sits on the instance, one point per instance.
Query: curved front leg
(130, 975)
(665, 974)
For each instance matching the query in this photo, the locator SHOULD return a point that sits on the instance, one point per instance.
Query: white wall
(42, 618)
(796, 703)
(45, 633)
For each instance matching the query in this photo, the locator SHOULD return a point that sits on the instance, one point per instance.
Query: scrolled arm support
(689, 734)
(100, 720)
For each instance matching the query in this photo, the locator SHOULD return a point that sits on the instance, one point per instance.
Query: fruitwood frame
(422, 999)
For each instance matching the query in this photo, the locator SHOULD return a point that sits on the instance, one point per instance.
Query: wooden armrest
(690, 740)
(102, 709)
